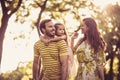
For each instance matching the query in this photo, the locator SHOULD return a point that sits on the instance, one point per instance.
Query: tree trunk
(118, 77)
(3, 27)
(118, 48)
(110, 75)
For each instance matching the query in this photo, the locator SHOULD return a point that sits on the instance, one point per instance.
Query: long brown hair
(96, 41)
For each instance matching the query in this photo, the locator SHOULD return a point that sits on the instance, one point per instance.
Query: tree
(113, 37)
(42, 7)
(21, 73)
(54, 9)
(109, 24)
(59, 9)
(8, 9)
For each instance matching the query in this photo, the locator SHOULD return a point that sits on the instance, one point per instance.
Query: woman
(89, 51)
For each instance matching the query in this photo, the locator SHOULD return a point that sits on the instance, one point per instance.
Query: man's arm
(35, 67)
(63, 51)
(64, 67)
(36, 62)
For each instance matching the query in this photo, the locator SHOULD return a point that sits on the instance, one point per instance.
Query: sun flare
(103, 3)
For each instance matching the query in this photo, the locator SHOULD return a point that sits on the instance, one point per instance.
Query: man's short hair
(42, 24)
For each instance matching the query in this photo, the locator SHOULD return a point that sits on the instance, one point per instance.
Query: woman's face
(84, 28)
(60, 30)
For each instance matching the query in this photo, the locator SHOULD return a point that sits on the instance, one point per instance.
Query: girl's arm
(46, 41)
(58, 38)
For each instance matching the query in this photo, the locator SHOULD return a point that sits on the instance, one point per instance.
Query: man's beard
(50, 35)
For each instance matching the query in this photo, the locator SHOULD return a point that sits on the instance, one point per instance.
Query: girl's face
(84, 28)
(60, 30)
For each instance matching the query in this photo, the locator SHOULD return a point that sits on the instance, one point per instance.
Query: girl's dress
(88, 62)
(72, 65)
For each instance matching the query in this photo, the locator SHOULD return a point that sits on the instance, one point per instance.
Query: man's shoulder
(37, 43)
(61, 42)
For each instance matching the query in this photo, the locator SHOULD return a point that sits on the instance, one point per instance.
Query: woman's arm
(78, 43)
(101, 61)
(101, 71)
(74, 36)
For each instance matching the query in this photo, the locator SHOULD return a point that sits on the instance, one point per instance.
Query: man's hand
(64, 67)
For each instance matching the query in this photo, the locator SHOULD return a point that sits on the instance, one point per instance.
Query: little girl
(61, 34)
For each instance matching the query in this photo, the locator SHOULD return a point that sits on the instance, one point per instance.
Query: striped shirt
(50, 57)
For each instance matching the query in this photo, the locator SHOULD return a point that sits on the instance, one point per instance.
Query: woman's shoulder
(82, 45)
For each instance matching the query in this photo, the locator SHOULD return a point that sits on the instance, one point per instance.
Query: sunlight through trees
(19, 20)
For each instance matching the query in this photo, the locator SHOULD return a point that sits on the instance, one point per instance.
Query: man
(54, 56)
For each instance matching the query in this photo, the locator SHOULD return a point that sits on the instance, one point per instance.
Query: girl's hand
(46, 41)
(63, 37)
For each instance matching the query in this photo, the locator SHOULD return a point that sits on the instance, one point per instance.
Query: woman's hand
(75, 35)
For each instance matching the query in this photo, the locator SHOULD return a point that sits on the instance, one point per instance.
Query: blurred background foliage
(21, 73)
(67, 12)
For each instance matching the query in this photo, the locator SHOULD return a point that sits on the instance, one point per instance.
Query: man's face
(49, 29)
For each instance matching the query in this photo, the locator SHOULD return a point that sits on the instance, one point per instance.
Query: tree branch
(42, 9)
(37, 3)
(17, 7)
(4, 8)
(40, 14)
